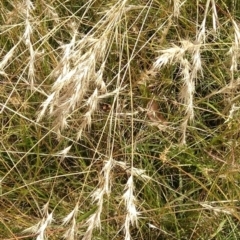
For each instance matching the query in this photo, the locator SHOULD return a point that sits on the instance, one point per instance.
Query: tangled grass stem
(119, 119)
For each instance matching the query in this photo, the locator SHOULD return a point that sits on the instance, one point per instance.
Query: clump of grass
(119, 120)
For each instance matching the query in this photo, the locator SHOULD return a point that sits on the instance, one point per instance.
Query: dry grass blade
(137, 130)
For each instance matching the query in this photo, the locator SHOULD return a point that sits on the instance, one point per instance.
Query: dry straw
(80, 71)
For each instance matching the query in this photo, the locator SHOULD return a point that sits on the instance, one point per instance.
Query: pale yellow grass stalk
(216, 209)
(234, 50)
(235, 54)
(77, 74)
(27, 39)
(130, 204)
(201, 32)
(7, 58)
(214, 15)
(51, 12)
(98, 196)
(232, 111)
(104, 189)
(188, 70)
(80, 84)
(3, 64)
(70, 220)
(40, 228)
(136, 172)
(176, 7)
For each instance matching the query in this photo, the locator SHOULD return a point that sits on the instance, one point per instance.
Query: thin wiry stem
(27, 39)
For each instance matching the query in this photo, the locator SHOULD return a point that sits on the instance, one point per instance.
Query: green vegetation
(119, 119)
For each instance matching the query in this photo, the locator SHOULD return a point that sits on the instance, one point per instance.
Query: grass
(119, 120)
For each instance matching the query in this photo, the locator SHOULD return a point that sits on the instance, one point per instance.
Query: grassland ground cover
(119, 119)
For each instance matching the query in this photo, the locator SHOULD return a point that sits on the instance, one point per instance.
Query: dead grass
(120, 120)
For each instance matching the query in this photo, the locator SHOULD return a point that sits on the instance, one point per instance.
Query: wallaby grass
(120, 119)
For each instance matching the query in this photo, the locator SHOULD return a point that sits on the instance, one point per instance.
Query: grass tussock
(119, 119)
